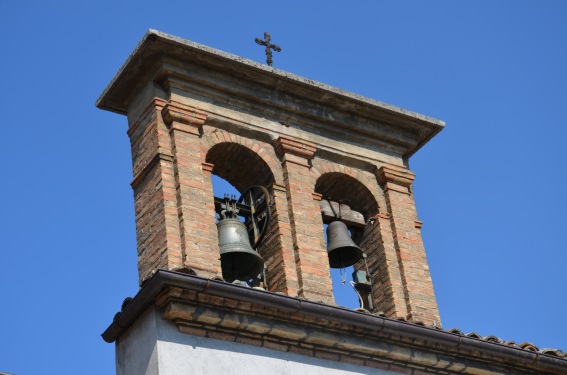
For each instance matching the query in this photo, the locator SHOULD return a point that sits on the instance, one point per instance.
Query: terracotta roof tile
(553, 352)
(529, 346)
(493, 339)
(511, 343)
(456, 331)
(474, 335)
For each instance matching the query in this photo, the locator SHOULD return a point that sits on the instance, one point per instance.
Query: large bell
(341, 249)
(238, 260)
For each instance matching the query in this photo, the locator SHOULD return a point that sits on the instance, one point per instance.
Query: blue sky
(490, 188)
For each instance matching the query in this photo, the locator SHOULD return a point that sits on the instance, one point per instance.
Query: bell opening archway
(241, 179)
(347, 200)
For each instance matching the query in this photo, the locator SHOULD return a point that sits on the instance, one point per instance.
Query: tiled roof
(492, 339)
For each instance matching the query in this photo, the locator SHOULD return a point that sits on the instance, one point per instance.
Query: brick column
(157, 228)
(412, 262)
(314, 277)
(277, 246)
(193, 191)
(387, 289)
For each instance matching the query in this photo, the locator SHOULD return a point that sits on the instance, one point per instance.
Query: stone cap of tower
(368, 118)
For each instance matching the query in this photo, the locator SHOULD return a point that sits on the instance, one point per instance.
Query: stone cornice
(193, 302)
(280, 95)
(156, 40)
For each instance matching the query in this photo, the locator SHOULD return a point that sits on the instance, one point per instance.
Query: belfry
(244, 282)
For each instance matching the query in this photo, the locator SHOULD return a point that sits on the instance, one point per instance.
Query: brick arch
(260, 166)
(232, 154)
(340, 182)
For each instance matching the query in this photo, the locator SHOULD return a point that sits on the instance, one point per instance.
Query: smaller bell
(341, 249)
(239, 261)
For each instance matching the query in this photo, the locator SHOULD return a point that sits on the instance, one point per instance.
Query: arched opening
(240, 166)
(341, 190)
(236, 169)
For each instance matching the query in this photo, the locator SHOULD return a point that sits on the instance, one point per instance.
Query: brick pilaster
(157, 228)
(387, 288)
(311, 258)
(193, 190)
(277, 246)
(408, 244)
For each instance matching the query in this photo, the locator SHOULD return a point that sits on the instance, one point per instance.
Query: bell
(341, 249)
(238, 260)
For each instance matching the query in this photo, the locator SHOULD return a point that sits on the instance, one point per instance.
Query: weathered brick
(249, 341)
(221, 336)
(400, 369)
(194, 331)
(377, 365)
(275, 346)
(327, 355)
(303, 351)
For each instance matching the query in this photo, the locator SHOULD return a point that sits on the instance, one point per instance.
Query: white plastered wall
(154, 346)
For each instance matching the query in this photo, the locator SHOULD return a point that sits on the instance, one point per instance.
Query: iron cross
(269, 47)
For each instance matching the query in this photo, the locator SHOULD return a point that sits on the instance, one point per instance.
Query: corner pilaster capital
(207, 168)
(395, 175)
(285, 145)
(182, 117)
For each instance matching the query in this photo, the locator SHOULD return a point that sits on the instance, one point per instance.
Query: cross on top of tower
(269, 47)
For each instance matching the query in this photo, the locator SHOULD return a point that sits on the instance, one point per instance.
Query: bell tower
(254, 271)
